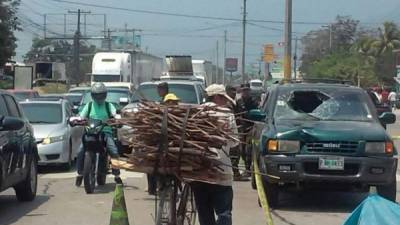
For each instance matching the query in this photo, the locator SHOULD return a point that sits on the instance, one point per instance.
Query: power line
(182, 15)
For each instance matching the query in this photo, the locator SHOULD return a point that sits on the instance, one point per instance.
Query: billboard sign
(231, 64)
(269, 55)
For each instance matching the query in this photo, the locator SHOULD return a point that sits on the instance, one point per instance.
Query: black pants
(213, 199)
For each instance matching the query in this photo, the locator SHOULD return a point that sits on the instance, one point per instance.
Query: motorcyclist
(99, 109)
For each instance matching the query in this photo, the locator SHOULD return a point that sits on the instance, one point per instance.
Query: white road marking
(124, 175)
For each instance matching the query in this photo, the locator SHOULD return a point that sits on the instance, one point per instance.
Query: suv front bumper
(305, 169)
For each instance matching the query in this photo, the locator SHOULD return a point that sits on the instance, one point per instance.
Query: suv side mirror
(387, 118)
(256, 115)
(11, 123)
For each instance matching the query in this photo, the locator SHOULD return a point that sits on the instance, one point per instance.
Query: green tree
(8, 25)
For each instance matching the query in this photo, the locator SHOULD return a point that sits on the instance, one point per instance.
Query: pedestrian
(215, 200)
(171, 99)
(235, 152)
(248, 104)
(99, 109)
(392, 99)
(163, 92)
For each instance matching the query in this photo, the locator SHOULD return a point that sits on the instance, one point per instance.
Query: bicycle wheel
(186, 213)
(166, 209)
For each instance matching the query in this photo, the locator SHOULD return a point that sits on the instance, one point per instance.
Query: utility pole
(44, 25)
(65, 25)
(244, 78)
(295, 59)
(217, 72)
(109, 39)
(288, 41)
(126, 37)
(330, 36)
(77, 38)
(224, 73)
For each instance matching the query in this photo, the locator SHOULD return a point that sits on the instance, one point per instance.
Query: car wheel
(26, 190)
(68, 165)
(388, 191)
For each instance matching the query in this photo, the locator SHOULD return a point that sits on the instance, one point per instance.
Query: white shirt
(223, 154)
(392, 96)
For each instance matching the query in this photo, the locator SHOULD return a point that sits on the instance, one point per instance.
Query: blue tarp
(375, 210)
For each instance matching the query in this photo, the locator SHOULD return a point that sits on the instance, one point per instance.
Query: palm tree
(388, 40)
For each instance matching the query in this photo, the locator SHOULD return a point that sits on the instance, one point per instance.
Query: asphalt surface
(59, 202)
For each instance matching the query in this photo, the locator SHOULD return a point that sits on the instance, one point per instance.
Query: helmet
(98, 92)
(171, 97)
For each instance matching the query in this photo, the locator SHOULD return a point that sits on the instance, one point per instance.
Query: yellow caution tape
(261, 193)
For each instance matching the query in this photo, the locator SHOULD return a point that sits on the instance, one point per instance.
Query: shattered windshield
(327, 104)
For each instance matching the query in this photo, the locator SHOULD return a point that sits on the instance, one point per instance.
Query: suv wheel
(26, 190)
(388, 191)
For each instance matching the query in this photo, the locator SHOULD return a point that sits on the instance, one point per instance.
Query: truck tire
(26, 190)
(388, 191)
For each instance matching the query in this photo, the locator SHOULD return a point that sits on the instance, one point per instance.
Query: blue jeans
(111, 149)
(213, 199)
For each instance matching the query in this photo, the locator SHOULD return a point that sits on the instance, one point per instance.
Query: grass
(6, 84)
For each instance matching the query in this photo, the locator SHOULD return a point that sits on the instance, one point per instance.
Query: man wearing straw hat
(216, 198)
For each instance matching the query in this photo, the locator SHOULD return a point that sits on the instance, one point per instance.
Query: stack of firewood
(188, 148)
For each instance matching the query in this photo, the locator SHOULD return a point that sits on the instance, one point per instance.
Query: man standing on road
(217, 198)
(235, 152)
(248, 104)
(163, 92)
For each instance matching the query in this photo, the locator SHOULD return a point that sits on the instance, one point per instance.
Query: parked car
(74, 98)
(57, 142)
(325, 136)
(119, 97)
(18, 150)
(80, 90)
(23, 94)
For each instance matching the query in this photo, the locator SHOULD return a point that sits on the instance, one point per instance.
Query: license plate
(331, 163)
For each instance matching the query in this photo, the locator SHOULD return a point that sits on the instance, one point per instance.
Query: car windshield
(113, 96)
(326, 104)
(256, 84)
(43, 113)
(185, 92)
(74, 99)
(78, 91)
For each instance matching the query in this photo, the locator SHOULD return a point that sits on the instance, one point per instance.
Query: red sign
(231, 64)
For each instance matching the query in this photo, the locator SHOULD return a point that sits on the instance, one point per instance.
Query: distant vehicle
(323, 136)
(53, 96)
(131, 67)
(119, 97)
(57, 142)
(126, 85)
(256, 84)
(18, 155)
(203, 69)
(380, 107)
(74, 98)
(23, 94)
(80, 90)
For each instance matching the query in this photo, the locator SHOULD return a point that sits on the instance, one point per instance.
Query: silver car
(57, 142)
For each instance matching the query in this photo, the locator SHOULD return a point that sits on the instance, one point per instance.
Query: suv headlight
(50, 140)
(379, 147)
(284, 146)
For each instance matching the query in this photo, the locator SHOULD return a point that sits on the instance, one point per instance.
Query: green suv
(324, 136)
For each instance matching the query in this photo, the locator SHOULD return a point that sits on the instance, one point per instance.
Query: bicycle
(176, 204)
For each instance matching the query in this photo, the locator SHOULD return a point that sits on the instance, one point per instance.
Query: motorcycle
(96, 160)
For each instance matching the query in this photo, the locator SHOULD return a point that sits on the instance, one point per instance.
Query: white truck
(130, 67)
(204, 69)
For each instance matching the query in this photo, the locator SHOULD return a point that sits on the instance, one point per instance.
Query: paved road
(60, 203)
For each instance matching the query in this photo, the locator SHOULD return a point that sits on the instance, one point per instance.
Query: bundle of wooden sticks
(177, 140)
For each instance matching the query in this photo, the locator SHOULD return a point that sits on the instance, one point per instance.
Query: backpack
(107, 109)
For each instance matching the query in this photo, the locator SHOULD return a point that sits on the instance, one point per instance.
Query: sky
(167, 35)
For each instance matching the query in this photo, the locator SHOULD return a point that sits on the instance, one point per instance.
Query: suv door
(14, 152)
(4, 147)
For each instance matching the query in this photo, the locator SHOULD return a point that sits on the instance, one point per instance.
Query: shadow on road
(332, 202)
(11, 210)
(54, 169)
